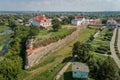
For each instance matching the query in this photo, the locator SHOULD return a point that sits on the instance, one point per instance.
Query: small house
(80, 70)
(79, 20)
(111, 24)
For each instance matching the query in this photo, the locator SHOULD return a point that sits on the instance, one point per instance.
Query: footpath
(112, 49)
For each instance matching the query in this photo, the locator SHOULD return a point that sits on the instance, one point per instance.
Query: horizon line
(52, 11)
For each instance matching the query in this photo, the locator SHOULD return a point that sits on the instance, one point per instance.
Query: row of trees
(56, 23)
(116, 42)
(99, 69)
(14, 61)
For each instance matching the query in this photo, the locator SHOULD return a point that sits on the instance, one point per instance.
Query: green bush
(109, 53)
(54, 37)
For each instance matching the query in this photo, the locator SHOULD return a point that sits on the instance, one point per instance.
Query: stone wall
(39, 53)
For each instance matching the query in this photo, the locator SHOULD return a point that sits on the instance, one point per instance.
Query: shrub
(55, 36)
(109, 53)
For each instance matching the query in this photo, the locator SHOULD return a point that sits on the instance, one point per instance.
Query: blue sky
(60, 5)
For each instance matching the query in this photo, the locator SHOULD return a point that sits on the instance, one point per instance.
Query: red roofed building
(41, 21)
(79, 17)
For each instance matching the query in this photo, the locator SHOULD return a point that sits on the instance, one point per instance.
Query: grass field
(50, 65)
(3, 38)
(3, 28)
(100, 41)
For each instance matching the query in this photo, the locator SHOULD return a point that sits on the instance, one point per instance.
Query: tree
(34, 30)
(66, 21)
(1, 77)
(104, 21)
(108, 70)
(75, 49)
(70, 18)
(12, 25)
(10, 67)
(82, 50)
(17, 44)
(56, 25)
(2, 22)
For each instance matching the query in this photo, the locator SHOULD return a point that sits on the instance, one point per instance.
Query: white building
(78, 21)
(40, 21)
(111, 24)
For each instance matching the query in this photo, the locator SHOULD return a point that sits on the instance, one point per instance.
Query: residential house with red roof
(41, 21)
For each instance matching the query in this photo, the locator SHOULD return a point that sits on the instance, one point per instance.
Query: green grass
(3, 28)
(46, 37)
(68, 26)
(102, 57)
(22, 75)
(99, 41)
(68, 74)
(50, 65)
(3, 39)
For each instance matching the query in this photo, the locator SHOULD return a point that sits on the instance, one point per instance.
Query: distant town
(59, 45)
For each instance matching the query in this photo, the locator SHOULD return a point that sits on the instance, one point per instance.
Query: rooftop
(41, 19)
(77, 66)
(111, 20)
(79, 17)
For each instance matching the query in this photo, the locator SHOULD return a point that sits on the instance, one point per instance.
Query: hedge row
(53, 38)
(115, 44)
(106, 37)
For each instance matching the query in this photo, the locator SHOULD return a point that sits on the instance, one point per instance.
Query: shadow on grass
(67, 59)
(68, 76)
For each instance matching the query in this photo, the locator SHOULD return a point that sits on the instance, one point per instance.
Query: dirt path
(61, 72)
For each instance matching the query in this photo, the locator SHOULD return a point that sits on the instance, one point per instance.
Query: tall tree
(12, 24)
(108, 70)
(104, 21)
(34, 30)
(82, 50)
(10, 67)
(56, 25)
(66, 21)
